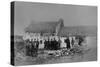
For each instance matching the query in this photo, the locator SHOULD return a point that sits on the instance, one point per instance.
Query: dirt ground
(90, 55)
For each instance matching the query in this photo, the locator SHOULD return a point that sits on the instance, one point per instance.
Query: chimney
(61, 20)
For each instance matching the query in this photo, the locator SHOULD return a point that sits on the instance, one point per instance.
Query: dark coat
(67, 41)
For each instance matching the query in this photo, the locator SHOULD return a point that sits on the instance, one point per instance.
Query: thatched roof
(78, 30)
(44, 27)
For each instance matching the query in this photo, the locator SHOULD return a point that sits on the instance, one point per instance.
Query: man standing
(72, 41)
(27, 47)
(45, 44)
(67, 41)
(59, 43)
(35, 45)
(51, 44)
(55, 44)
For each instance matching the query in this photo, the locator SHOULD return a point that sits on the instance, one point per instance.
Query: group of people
(52, 44)
(32, 46)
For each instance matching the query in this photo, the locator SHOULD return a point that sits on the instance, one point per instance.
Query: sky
(73, 15)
